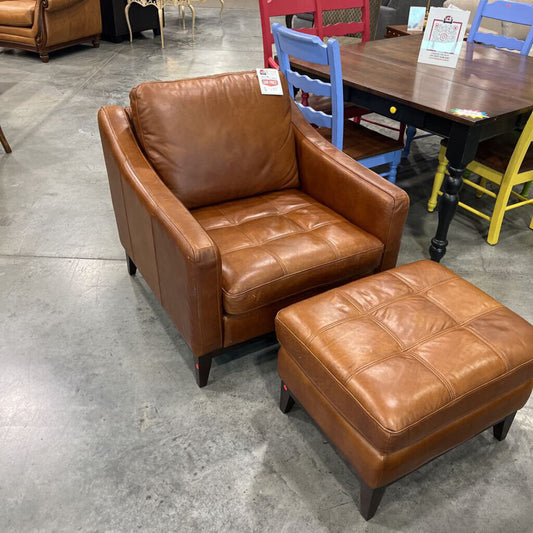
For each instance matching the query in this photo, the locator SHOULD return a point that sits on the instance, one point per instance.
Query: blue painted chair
(505, 11)
(368, 147)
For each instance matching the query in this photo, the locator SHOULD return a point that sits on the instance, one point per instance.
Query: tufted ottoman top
(406, 352)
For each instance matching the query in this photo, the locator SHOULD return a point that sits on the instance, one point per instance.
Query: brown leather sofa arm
(177, 258)
(58, 5)
(361, 196)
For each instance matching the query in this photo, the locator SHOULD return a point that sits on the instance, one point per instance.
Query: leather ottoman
(399, 367)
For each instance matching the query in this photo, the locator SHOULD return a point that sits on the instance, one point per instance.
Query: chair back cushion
(216, 138)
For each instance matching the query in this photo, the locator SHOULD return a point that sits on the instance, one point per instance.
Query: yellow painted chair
(506, 161)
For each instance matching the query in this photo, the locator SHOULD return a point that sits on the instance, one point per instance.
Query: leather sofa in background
(43, 26)
(232, 206)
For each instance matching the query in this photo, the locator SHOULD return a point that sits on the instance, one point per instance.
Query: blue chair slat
(505, 11)
(311, 49)
(318, 118)
(306, 84)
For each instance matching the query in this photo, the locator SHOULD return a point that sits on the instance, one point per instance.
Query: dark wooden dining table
(385, 77)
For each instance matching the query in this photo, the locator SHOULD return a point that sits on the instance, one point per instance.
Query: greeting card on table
(443, 36)
(416, 18)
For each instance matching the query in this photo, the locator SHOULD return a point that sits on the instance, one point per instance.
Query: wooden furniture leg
(501, 429)
(132, 267)
(369, 500)
(286, 401)
(202, 366)
(4, 142)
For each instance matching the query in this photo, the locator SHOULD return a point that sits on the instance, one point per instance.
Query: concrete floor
(102, 425)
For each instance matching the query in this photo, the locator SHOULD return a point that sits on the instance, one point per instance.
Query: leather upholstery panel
(80, 19)
(376, 468)
(246, 152)
(16, 34)
(280, 244)
(174, 254)
(17, 12)
(353, 191)
(406, 352)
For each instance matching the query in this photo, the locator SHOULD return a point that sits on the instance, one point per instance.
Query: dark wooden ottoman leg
(132, 268)
(202, 366)
(370, 499)
(286, 401)
(501, 429)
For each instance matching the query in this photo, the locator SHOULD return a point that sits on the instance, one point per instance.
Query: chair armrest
(177, 258)
(360, 195)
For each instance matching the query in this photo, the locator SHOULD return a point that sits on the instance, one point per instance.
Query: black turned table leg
(447, 207)
(202, 366)
(132, 267)
(286, 401)
(370, 500)
(501, 429)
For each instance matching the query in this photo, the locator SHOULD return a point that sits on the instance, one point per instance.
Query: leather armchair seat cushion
(170, 121)
(406, 353)
(278, 245)
(19, 13)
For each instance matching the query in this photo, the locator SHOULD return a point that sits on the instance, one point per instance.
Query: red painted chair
(339, 29)
(282, 8)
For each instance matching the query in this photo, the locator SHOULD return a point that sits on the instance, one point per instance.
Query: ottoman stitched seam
(436, 372)
(458, 324)
(421, 341)
(492, 347)
(353, 302)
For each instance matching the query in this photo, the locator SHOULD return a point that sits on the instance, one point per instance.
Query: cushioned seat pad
(17, 13)
(407, 352)
(277, 245)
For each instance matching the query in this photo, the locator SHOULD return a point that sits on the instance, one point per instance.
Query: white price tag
(269, 81)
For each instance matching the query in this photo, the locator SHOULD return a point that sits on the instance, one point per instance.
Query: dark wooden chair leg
(96, 42)
(4, 142)
(501, 429)
(202, 366)
(370, 500)
(44, 57)
(132, 267)
(286, 401)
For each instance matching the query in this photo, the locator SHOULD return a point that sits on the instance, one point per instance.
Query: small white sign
(416, 18)
(269, 81)
(443, 36)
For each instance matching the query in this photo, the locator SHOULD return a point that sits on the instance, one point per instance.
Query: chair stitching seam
(289, 275)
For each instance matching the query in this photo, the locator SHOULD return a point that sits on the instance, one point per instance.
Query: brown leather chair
(45, 25)
(232, 206)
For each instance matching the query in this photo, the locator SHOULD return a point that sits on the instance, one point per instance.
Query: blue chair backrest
(505, 11)
(310, 48)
